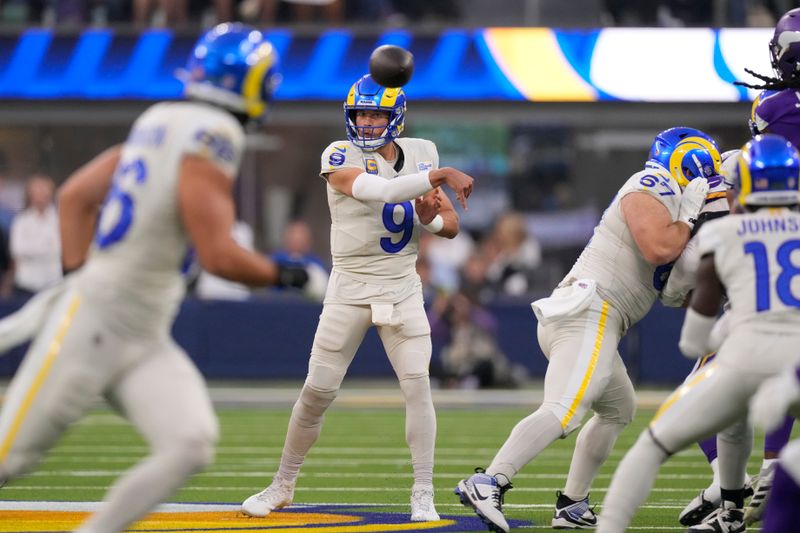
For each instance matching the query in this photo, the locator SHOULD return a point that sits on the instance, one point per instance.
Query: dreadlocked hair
(770, 83)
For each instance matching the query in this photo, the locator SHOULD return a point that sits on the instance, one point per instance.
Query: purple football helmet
(784, 47)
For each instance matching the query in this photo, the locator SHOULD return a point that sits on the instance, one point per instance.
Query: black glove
(292, 276)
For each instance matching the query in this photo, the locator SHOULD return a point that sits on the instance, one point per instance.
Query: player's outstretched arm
(370, 187)
(208, 213)
(702, 312)
(79, 201)
(659, 239)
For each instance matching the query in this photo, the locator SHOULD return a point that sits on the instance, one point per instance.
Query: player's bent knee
(325, 372)
(738, 433)
(568, 416)
(622, 413)
(416, 387)
(196, 454)
(311, 406)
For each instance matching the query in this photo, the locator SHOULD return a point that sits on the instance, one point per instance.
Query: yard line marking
(326, 489)
(350, 475)
(184, 507)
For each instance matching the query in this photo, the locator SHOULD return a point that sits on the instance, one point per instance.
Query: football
(391, 66)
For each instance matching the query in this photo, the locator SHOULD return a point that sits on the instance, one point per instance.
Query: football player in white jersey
(105, 331)
(382, 190)
(768, 407)
(749, 255)
(612, 286)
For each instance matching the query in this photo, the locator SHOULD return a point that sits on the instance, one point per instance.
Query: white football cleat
(422, 508)
(724, 519)
(278, 495)
(481, 492)
(698, 509)
(762, 483)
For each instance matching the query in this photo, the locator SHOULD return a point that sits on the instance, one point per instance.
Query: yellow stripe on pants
(587, 377)
(52, 352)
(681, 391)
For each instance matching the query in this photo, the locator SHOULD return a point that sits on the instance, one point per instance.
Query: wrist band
(435, 225)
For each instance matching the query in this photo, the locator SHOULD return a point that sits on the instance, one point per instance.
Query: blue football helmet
(233, 66)
(687, 153)
(769, 172)
(366, 94)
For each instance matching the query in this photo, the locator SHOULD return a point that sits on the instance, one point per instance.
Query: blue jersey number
(783, 285)
(662, 182)
(405, 228)
(119, 204)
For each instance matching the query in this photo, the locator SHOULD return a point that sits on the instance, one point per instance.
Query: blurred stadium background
(549, 104)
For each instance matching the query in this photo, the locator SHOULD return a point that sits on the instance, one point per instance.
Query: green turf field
(360, 458)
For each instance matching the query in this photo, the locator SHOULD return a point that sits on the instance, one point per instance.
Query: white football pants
(340, 332)
(76, 360)
(714, 400)
(585, 371)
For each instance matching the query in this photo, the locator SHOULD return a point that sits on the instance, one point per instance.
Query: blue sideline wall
(272, 338)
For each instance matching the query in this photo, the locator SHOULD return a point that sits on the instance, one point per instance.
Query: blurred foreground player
(750, 256)
(774, 110)
(767, 409)
(612, 285)
(382, 190)
(105, 331)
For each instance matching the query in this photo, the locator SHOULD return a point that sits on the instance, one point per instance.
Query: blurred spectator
(446, 257)
(471, 357)
(474, 283)
(420, 10)
(35, 243)
(210, 287)
(304, 11)
(297, 245)
(517, 256)
(175, 12)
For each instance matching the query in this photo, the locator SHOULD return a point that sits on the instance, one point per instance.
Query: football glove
(693, 199)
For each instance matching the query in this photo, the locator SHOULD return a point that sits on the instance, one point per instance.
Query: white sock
(734, 445)
(595, 442)
(305, 426)
(631, 484)
(420, 427)
(712, 492)
(529, 437)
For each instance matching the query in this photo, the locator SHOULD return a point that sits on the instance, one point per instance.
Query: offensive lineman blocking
(749, 255)
(372, 179)
(105, 331)
(611, 286)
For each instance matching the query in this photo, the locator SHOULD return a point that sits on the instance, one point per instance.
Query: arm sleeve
(371, 187)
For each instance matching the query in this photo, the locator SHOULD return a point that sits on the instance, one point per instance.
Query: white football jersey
(757, 258)
(373, 242)
(140, 247)
(611, 258)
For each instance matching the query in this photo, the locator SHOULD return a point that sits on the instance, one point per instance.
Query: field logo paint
(31, 517)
